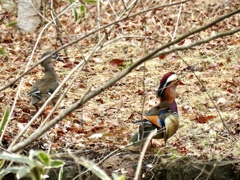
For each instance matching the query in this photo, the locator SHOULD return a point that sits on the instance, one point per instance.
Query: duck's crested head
(166, 80)
(50, 59)
(169, 81)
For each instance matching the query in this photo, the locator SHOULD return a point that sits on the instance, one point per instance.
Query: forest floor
(105, 123)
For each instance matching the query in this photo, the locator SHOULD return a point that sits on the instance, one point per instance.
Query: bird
(163, 117)
(43, 88)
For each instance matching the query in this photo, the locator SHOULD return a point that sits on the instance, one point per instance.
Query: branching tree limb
(122, 74)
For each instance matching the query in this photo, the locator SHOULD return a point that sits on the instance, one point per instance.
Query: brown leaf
(116, 62)
(139, 92)
(34, 71)
(69, 65)
(203, 119)
(26, 110)
(182, 149)
(11, 69)
(186, 108)
(28, 84)
(81, 85)
(48, 108)
(229, 90)
(131, 116)
(60, 133)
(100, 100)
(77, 130)
(233, 83)
(23, 119)
(162, 56)
(7, 137)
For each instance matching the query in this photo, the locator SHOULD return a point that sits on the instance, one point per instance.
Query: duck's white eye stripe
(169, 79)
(172, 78)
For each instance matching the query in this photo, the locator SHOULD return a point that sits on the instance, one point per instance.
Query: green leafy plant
(2, 52)
(79, 8)
(4, 119)
(36, 165)
(12, 24)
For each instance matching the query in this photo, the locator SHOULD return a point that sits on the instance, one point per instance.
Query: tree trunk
(28, 17)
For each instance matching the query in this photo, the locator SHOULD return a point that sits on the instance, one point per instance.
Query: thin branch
(178, 17)
(208, 95)
(213, 168)
(137, 173)
(39, 13)
(202, 170)
(227, 33)
(105, 157)
(90, 166)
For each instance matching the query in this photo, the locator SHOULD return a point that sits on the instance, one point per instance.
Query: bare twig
(227, 33)
(214, 167)
(202, 170)
(215, 106)
(36, 9)
(137, 173)
(176, 26)
(107, 156)
(99, 18)
(90, 166)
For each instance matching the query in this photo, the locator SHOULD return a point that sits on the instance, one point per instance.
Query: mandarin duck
(164, 116)
(43, 88)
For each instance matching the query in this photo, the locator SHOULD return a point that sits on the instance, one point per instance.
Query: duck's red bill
(180, 83)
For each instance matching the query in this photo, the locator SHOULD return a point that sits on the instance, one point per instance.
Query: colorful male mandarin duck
(163, 117)
(44, 87)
